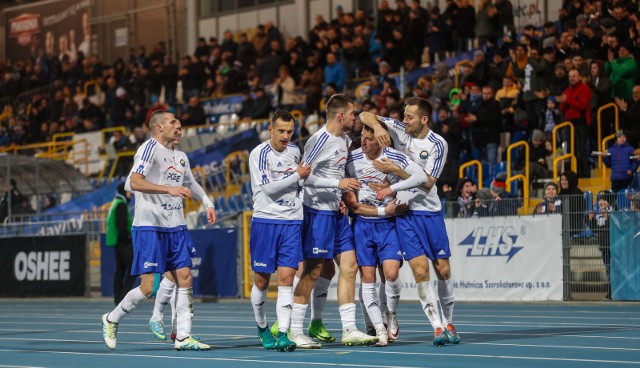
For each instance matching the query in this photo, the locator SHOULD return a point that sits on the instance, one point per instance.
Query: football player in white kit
(326, 234)
(166, 293)
(276, 241)
(159, 229)
(374, 229)
(422, 230)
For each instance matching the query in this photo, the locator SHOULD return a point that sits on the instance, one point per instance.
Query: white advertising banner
(498, 259)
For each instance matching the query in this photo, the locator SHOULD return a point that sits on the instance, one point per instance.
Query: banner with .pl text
(498, 259)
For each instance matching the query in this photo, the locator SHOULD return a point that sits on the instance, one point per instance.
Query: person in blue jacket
(618, 159)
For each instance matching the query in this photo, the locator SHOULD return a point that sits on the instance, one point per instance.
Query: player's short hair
(156, 117)
(370, 130)
(385, 127)
(335, 104)
(424, 106)
(282, 115)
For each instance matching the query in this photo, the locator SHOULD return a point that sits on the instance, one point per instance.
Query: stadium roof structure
(36, 176)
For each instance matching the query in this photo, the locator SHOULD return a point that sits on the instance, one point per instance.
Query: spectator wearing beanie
(506, 203)
(537, 155)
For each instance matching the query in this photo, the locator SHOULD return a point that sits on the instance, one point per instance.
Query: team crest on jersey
(183, 162)
(424, 155)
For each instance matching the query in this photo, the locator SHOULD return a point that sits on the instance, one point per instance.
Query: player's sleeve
(144, 158)
(395, 127)
(313, 147)
(312, 150)
(437, 157)
(196, 189)
(417, 175)
(261, 174)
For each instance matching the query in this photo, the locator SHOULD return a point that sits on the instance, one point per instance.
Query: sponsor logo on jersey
(172, 206)
(320, 251)
(494, 241)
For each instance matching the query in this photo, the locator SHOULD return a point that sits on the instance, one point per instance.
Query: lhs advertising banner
(54, 28)
(39, 266)
(498, 259)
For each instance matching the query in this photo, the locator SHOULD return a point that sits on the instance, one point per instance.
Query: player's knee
(348, 269)
(328, 270)
(391, 275)
(443, 272)
(313, 269)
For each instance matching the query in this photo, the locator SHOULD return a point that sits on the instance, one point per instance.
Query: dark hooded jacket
(572, 202)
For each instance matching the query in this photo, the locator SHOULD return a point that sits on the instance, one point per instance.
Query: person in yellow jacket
(119, 221)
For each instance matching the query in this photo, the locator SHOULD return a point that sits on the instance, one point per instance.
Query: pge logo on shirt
(494, 241)
(320, 251)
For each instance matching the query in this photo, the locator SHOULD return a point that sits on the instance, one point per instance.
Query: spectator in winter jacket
(622, 71)
(575, 103)
(622, 167)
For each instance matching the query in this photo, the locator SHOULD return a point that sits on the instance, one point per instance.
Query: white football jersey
(430, 153)
(359, 166)
(328, 156)
(163, 166)
(266, 166)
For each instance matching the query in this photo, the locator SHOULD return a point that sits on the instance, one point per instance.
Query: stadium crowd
(522, 84)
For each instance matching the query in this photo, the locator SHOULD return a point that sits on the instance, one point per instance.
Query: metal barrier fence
(583, 238)
(584, 235)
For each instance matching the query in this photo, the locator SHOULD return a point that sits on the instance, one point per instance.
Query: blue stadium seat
(588, 206)
(222, 205)
(487, 174)
(623, 200)
(635, 183)
(471, 172)
(588, 201)
(500, 167)
(213, 119)
(519, 135)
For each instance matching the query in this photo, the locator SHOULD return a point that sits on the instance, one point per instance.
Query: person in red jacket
(575, 103)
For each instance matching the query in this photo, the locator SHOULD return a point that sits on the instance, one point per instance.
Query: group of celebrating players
(300, 227)
(390, 195)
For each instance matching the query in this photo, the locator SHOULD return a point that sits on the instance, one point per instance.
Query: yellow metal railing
(91, 83)
(513, 146)
(69, 151)
(554, 140)
(525, 188)
(192, 204)
(610, 105)
(574, 164)
(603, 148)
(469, 164)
